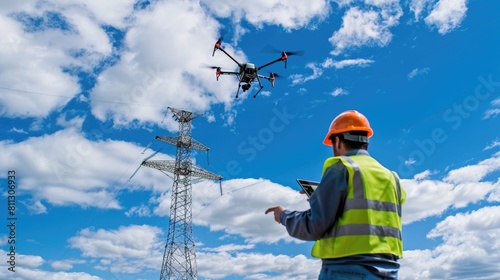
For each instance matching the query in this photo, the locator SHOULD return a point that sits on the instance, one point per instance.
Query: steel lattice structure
(179, 259)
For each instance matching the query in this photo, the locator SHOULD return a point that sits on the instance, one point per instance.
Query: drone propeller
(217, 70)
(271, 49)
(284, 55)
(217, 45)
(272, 77)
(300, 53)
(211, 67)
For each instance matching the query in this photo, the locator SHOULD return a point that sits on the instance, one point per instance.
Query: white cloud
(420, 6)
(410, 161)
(359, 62)
(289, 14)
(67, 122)
(418, 71)
(339, 91)
(229, 248)
(61, 265)
(65, 264)
(459, 188)
(100, 11)
(365, 28)
(36, 58)
(318, 68)
(423, 175)
(140, 211)
(17, 130)
(344, 3)
(28, 268)
(248, 199)
(149, 78)
(66, 168)
(493, 144)
(134, 241)
(36, 82)
(491, 113)
(126, 250)
(474, 173)
(257, 266)
(447, 15)
(300, 79)
(469, 250)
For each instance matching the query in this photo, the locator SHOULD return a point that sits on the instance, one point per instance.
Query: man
(355, 212)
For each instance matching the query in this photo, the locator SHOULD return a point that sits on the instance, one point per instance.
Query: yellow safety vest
(370, 222)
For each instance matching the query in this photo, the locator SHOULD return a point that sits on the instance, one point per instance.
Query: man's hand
(277, 212)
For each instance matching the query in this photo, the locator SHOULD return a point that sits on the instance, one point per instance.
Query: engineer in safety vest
(355, 212)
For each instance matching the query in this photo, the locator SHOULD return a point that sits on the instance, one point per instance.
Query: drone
(248, 72)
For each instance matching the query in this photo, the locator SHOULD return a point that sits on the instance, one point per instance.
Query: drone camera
(245, 87)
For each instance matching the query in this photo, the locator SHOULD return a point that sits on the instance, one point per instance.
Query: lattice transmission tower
(179, 258)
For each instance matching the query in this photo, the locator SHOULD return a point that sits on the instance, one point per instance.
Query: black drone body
(248, 72)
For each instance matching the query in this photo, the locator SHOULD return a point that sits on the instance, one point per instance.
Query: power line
(86, 99)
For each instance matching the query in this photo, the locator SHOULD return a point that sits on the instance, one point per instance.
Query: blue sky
(85, 86)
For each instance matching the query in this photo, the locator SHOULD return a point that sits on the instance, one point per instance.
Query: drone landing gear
(261, 87)
(245, 87)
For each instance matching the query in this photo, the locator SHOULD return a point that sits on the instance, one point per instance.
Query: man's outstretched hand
(277, 212)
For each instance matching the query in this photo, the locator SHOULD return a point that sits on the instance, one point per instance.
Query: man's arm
(326, 204)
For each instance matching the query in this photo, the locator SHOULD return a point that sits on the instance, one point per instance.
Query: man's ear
(334, 142)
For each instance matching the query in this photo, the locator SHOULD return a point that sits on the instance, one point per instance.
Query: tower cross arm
(203, 173)
(191, 170)
(195, 144)
(183, 141)
(164, 165)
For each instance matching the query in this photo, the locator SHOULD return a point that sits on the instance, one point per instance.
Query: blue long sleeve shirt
(326, 204)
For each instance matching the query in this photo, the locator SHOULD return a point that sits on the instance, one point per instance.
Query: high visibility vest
(370, 222)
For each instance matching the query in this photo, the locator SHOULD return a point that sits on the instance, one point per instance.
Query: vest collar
(357, 152)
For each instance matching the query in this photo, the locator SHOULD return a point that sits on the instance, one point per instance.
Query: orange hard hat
(350, 120)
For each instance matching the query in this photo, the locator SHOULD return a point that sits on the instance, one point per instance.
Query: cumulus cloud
(469, 249)
(66, 168)
(148, 78)
(30, 267)
(476, 172)
(366, 27)
(134, 241)
(447, 15)
(257, 266)
(288, 13)
(33, 72)
(459, 188)
(420, 6)
(247, 199)
(43, 59)
(65, 264)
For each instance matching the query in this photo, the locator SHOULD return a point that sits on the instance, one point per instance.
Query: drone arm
(270, 79)
(267, 64)
(230, 56)
(218, 73)
(228, 73)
